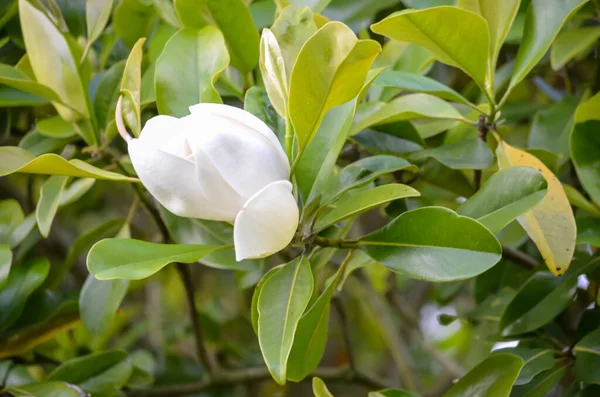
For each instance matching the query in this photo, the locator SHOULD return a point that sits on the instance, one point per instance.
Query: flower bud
(220, 163)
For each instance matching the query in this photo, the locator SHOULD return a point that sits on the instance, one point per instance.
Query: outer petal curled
(172, 181)
(267, 222)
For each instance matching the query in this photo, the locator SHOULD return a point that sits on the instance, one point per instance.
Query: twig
(207, 360)
(248, 375)
(341, 312)
(518, 257)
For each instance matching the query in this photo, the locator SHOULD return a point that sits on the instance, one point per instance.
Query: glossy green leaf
(97, 13)
(46, 389)
(391, 393)
(5, 262)
(272, 68)
(493, 377)
(569, 44)
(368, 169)
(107, 93)
(233, 19)
(283, 298)
(536, 361)
(135, 259)
(11, 216)
(356, 202)
(585, 146)
(433, 243)
(12, 97)
(551, 224)
(541, 384)
(407, 107)
(505, 196)
(396, 144)
(588, 110)
(417, 83)
(454, 36)
(47, 205)
(22, 281)
(14, 159)
(53, 62)
(587, 358)
(256, 295)
(317, 163)
(292, 29)
(188, 68)
(539, 300)
(311, 336)
(330, 70)
(75, 191)
(578, 200)
(542, 24)
(12, 77)
(99, 301)
(55, 127)
(131, 86)
(95, 373)
(588, 230)
(551, 128)
(466, 154)
(133, 19)
(319, 388)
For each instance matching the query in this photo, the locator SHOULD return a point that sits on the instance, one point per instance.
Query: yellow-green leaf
(551, 224)
(131, 86)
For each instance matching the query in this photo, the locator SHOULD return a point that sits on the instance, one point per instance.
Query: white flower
(220, 163)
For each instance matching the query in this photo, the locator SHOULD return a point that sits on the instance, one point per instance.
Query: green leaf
(48, 203)
(319, 388)
(454, 36)
(99, 301)
(435, 244)
(356, 202)
(104, 372)
(256, 295)
(12, 77)
(12, 97)
(551, 224)
(542, 24)
(578, 200)
(97, 13)
(536, 361)
(317, 163)
(368, 169)
(22, 281)
(107, 93)
(417, 83)
(188, 68)
(272, 69)
(465, 154)
(5, 262)
(407, 107)
(11, 216)
(55, 127)
(539, 300)
(131, 87)
(135, 259)
(588, 110)
(391, 393)
(233, 19)
(75, 191)
(587, 358)
(311, 336)
(53, 62)
(292, 29)
(551, 128)
(585, 146)
(330, 70)
(133, 19)
(588, 230)
(399, 141)
(14, 159)
(541, 384)
(499, 16)
(283, 298)
(505, 196)
(493, 377)
(46, 389)
(569, 44)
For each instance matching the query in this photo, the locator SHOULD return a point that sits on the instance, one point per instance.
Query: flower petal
(267, 223)
(243, 158)
(241, 116)
(167, 134)
(172, 181)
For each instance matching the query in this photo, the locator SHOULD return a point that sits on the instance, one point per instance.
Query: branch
(248, 375)
(518, 257)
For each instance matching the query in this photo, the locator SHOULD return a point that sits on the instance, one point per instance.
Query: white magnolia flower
(224, 164)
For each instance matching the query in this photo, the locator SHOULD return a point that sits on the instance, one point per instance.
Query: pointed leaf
(535, 362)
(466, 154)
(272, 68)
(135, 259)
(588, 110)
(97, 13)
(585, 146)
(131, 87)
(571, 43)
(12, 77)
(48, 204)
(319, 388)
(435, 244)
(587, 358)
(99, 301)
